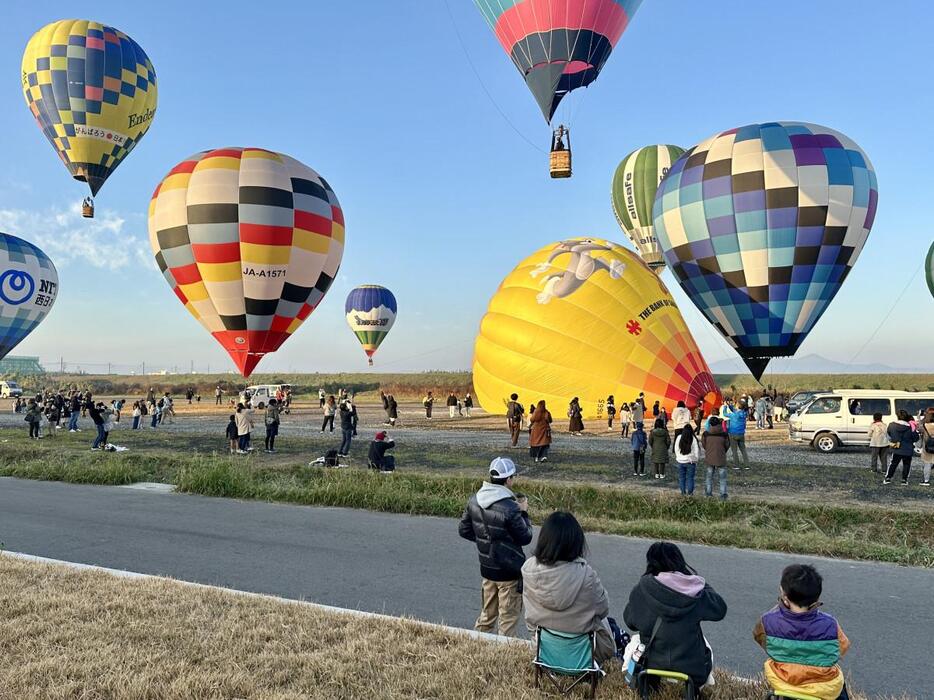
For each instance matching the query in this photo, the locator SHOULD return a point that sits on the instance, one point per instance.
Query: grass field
(84, 634)
(432, 482)
(415, 385)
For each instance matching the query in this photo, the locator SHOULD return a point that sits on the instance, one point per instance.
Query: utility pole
(108, 368)
(62, 359)
(144, 368)
(192, 367)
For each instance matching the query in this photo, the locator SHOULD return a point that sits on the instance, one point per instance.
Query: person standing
(680, 419)
(903, 446)
(687, 454)
(638, 442)
(218, 395)
(736, 428)
(322, 395)
(151, 395)
(231, 434)
(330, 408)
(393, 411)
(656, 408)
(514, 413)
(428, 403)
(878, 444)
(244, 420)
(468, 404)
(271, 420)
(760, 413)
(659, 442)
(539, 432)
(137, 415)
(625, 417)
(95, 411)
(576, 416)
(346, 413)
(610, 412)
(926, 431)
(638, 413)
(715, 442)
(452, 404)
(699, 418)
(498, 522)
(33, 418)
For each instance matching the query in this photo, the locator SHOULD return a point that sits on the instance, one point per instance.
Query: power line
(886, 318)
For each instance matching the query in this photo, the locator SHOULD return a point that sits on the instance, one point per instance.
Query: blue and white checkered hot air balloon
(28, 287)
(371, 311)
(761, 225)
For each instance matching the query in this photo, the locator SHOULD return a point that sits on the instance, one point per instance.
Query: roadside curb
(120, 573)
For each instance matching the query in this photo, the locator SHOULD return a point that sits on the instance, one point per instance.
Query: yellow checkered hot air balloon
(92, 90)
(586, 317)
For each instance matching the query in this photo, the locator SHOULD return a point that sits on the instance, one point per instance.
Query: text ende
(139, 119)
(251, 272)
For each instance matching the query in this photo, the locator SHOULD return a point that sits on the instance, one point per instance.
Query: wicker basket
(87, 211)
(560, 163)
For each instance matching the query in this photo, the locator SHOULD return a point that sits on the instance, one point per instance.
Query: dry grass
(89, 635)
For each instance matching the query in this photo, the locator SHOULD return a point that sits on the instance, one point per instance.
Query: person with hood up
(561, 591)
(497, 520)
(903, 446)
(687, 454)
(659, 442)
(715, 442)
(540, 432)
(671, 600)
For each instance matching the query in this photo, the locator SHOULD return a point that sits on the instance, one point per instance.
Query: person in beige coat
(878, 442)
(926, 430)
(561, 591)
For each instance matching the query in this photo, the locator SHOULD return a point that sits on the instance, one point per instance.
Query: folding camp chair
(789, 695)
(645, 686)
(562, 655)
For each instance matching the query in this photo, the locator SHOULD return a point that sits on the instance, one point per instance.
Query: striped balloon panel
(761, 226)
(28, 289)
(92, 91)
(371, 313)
(635, 183)
(558, 45)
(586, 318)
(250, 241)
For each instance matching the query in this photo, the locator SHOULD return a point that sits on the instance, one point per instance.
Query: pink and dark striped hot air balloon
(558, 45)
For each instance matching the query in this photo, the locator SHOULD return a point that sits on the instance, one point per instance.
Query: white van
(253, 395)
(10, 390)
(842, 417)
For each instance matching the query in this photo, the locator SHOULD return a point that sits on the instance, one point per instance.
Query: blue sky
(442, 197)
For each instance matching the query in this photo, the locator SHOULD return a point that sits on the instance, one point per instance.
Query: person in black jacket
(671, 591)
(96, 411)
(346, 413)
(377, 456)
(499, 523)
(904, 438)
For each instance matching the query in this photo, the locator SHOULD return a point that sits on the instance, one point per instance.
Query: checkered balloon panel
(761, 226)
(28, 288)
(250, 241)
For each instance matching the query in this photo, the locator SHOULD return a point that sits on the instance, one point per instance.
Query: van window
(824, 405)
(913, 405)
(866, 407)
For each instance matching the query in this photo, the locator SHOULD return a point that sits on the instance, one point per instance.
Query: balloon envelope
(371, 311)
(929, 269)
(586, 317)
(558, 45)
(635, 183)
(761, 225)
(250, 241)
(92, 90)
(28, 288)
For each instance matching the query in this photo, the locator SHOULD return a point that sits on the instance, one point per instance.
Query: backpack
(331, 459)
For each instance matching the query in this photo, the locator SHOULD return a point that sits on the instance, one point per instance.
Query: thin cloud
(105, 242)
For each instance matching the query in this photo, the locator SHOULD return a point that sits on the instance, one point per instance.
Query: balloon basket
(560, 163)
(370, 361)
(87, 210)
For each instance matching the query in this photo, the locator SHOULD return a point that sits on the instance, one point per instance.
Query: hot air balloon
(558, 46)
(371, 311)
(250, 241)
(92, 90)
(584, 317)
(929, 269)
(633, 192)
(28, 287)
(761, 226)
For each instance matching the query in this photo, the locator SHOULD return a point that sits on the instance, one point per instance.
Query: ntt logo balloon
(16, 287)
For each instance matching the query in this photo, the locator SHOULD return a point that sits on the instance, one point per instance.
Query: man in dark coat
(498, 522)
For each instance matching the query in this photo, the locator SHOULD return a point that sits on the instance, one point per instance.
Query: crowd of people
(556, 589)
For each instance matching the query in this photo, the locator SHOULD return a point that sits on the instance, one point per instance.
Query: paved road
(417, 566)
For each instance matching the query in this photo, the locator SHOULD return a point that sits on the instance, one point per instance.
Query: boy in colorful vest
(804, 644)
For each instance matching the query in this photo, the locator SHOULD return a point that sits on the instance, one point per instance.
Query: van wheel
(826, 443)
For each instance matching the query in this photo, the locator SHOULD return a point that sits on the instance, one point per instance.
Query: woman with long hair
(540, 432)
(561, 591)
(687, 454)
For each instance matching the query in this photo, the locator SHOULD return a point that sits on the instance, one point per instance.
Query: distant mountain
(814, 364)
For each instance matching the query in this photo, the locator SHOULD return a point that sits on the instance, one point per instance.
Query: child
(232, 437)
(638, 442)
(804, 644)
(625, 417)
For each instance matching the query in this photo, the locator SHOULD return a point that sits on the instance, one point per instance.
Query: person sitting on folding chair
(561, 591)
(672, 591)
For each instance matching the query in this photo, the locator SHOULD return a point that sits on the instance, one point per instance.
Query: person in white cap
(498, 521)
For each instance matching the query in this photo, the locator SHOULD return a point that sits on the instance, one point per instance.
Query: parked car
(253, 395)
(800, 398)
(10, 390)
(842, 417)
